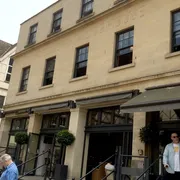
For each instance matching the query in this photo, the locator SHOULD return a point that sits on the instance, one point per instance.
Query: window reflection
(19, 124)
(107, 116)
(52, 121)
(170, 115)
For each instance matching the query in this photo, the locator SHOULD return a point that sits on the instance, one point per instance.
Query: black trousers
(175, 176)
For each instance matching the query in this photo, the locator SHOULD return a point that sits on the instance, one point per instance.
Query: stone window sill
(85, 17)
(28, 45)
(21, 93)
(117, 2)
(169, 55)
(122, 67)
(53, 33)
(78, 79)
(47, 86)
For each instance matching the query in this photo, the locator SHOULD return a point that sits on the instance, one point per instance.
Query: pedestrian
(11, 171)
(171, 158)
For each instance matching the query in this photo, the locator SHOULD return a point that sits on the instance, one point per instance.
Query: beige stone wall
(151, 22)
(139, 121)
(71, 14)
(74, 152)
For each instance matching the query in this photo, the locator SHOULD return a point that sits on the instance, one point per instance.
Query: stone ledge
(78, 79)
(122, 67)
(21, 93)
(45, 87)
(173, 54)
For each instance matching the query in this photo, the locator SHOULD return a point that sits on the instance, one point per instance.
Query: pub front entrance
(107, 129)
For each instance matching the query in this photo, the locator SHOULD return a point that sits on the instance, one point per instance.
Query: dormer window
(57, 17)
(32, 34)
(87, 7)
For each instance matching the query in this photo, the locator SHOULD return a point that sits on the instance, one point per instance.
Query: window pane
(81, 61)
(18, 124)
(24, 81)
(177, 26)
(88, 7)
(55, 120)
(11, 61)
(33, 29)
(177, 16)
(83, 64)
(57, 23)
(8, 77)
(126, 35)
(177, 39)
(108, 116)
(121, 37)
(50, 65)
(48, 81)
(131, 41)
(12, 143)
(123, 49)
(9, 69)
(32, 36)
(120, 45)
(48, 75)
(132, 33)
(23, 87)
(57, 16)
(124, 59)
(81, 72)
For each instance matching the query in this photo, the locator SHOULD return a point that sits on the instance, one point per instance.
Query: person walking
(171, 158)
(11, 171)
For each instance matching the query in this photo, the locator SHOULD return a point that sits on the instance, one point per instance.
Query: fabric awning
(107, 98)
(51, 107)
(154, 100)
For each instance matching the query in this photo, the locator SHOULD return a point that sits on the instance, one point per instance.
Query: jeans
(175, 176)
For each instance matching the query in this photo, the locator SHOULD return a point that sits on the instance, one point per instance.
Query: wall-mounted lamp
(140, 152)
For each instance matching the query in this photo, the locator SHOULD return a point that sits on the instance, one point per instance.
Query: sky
(14, 12)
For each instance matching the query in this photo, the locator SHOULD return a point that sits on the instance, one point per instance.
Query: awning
(126, 95)
(154, 100)
(51, 107)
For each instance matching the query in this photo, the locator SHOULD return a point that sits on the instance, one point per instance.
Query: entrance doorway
(48, 142)
(103, 145)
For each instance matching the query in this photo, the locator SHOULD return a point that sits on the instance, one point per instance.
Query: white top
(109, 167)
(176, 158)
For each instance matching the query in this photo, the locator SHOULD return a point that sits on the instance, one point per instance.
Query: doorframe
(35, 163)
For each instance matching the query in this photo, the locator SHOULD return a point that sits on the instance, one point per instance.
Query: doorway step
(33, 178)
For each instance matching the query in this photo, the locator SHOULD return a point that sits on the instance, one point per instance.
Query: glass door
(31, 152)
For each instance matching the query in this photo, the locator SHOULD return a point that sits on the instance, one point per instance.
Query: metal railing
(123, 170)
(149, 168)
(34, 158)
(98, 167)
(4, 149)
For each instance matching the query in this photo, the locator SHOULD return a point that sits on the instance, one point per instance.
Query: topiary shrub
(65, 138)
(148, 134)
(21, 138)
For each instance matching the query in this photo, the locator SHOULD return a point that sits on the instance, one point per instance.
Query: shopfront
(51, 124)
(106, 129)
(162, 107)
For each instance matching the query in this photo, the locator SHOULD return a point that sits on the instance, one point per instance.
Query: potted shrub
(148, 134)
(65, 138)
(21, 138)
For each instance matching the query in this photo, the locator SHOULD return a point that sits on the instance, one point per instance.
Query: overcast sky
(14, 12)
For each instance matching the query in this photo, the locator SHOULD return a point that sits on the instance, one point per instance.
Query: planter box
(60, 172)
